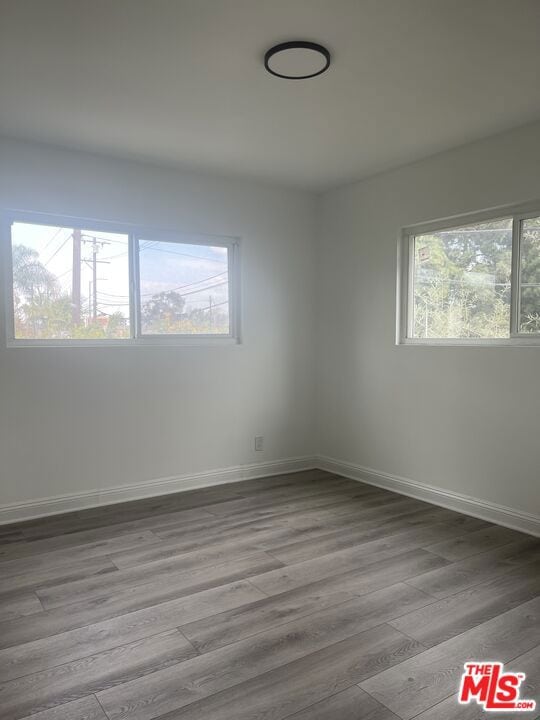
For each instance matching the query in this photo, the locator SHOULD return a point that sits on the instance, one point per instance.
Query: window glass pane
(462, 282)
(184, 289)
(529, 316)
(69, 283)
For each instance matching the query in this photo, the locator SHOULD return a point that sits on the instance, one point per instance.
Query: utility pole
(94, 279)
(93, 292)
(76, 279)
(210, 312)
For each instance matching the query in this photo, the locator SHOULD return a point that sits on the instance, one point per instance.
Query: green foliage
(165, 314)
(31, 278)
(462, 282)
(43, 311)
(530, 277)
(40, 309)
(162, 312)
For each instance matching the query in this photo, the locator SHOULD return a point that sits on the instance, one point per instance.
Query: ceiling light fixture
(297, 60)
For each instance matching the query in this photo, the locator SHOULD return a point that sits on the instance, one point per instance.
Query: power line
(214, 305)
(198, 282)
(146, 246)
(180, 287)
(200, 290)
(113, 257)
(156, 249)
(197, 257)
(57, 251)
(170, 252)
(58, 231)
(92, 235)
(109, 304)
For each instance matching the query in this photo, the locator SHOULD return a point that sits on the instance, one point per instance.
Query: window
(184, 289)
(90, 283)
(529, 276)
(461, 283)
(69, 283)
(472, 282)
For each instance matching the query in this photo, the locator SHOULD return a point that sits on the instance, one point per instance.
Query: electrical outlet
(259, 443)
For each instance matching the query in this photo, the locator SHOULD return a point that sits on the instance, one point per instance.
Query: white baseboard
(499, 514)
(153, 488)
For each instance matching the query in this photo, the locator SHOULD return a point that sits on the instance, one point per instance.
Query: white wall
(74, 420)
(461, 419)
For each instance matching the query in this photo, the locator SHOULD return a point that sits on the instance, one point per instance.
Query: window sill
(171, 342)
(484, 342)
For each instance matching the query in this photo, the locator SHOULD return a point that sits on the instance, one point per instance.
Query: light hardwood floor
(306, 596)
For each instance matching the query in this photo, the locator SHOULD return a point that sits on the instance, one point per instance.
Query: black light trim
(294, 45)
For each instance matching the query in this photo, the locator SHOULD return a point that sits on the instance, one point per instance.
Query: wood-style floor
(307, 596)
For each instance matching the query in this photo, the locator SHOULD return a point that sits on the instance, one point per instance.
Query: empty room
(269, 360)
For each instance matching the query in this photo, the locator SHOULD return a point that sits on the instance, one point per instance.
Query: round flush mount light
(297, 60)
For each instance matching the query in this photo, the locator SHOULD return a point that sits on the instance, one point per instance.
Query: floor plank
(350, 704)
(373, 608)
(184, 559)
(301, 683)
(57, 576)
(187, 609)
(284, 607)
(18, 605)
(268, 598)
(86, 708)
(358, 556)
(472, 571)
(265, 533)
(78, 554)
(167, 691)
(416, 685)
(33, 547)
(32, 657)
(359, 533)
(352, 534)
(101, 517)
(475, 542)
(275, 498)
(528, 663)
(260, 507)
(56, 686)
(466, 609)
(159, 580)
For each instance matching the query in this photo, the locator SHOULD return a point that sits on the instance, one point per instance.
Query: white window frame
(405, 285)
(135, 235)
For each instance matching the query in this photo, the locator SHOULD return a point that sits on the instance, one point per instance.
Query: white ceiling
(182, 82)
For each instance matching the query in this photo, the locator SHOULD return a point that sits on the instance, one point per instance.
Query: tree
(530, 276)
(166, 313)
(36, 295)
(163, 312)
(44, 311)
(31, 278)
(117, 326)
(50, 317)
(462, 282)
